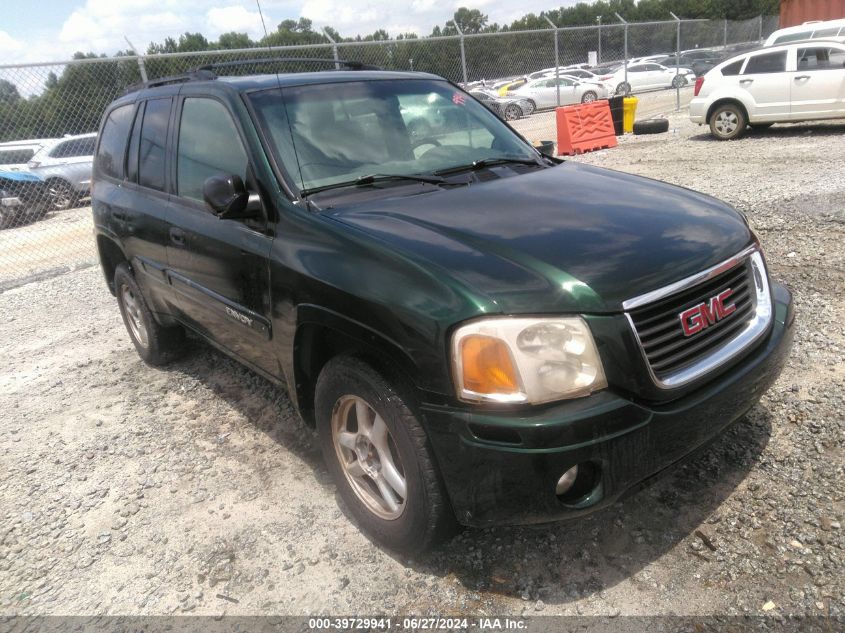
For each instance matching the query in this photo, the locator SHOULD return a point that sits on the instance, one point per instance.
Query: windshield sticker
(459, 99)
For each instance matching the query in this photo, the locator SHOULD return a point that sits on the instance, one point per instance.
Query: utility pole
(623, 21)
(677, 65)
(557, 61)
(598, 19)
(463, 52)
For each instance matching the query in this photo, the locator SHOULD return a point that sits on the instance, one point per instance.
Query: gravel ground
(132, 490)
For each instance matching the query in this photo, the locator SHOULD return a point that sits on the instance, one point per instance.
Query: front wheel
(379, 456)
(728, 122)
(623, 89)
(62, 195)
(679, 81)
(589, 97)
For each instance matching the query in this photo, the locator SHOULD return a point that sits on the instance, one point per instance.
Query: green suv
(481, 334)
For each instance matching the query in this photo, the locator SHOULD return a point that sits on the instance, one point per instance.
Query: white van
(830, 30)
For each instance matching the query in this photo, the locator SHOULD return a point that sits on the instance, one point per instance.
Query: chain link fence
(49, 112)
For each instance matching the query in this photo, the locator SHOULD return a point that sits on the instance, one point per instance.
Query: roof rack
(351, 65)
(207, 72)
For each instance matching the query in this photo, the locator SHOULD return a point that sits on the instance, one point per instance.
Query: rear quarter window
(112, 146)
(734, 68)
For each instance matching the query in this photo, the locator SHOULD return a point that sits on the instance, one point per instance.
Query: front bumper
(502, 468)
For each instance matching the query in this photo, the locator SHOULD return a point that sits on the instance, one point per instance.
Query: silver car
(65, 165)
(542, 93)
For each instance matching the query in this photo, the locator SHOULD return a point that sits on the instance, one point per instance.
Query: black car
(481, 334)
(697, 65)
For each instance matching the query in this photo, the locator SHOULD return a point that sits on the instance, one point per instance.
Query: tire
(62, 195)
(623, 89)
(679, 81)
(422, 518)
(5, 219)
(651, 126)
(589, 97)
(532, 104)
(156, 344)
(513, 112)
(728, 122)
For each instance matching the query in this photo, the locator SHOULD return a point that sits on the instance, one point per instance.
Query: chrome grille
(675, 358)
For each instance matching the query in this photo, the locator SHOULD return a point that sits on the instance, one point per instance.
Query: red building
(794, 12)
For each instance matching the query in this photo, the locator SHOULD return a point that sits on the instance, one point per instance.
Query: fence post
(677, 65)
(725, 43)
(557, 61)
(760, 28)
(598, 19)
(463, 52)
(625, 45)
(334, 49)
(141, 68)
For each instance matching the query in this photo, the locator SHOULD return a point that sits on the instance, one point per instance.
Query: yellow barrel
(629, 113)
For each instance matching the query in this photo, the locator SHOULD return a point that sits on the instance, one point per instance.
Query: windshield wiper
(488, 162)
(371, 179)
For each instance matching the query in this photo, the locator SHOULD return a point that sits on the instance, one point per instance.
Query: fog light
(565, 482)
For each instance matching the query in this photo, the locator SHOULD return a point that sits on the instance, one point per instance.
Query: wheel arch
(322, 334)
(111, 255)
(718, 103)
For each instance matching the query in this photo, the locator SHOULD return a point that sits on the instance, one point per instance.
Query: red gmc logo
(706, 314)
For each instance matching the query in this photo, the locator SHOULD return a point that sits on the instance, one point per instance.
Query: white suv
(65, 165)
(800, 81)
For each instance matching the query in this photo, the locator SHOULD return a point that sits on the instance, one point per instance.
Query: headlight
(525, 360)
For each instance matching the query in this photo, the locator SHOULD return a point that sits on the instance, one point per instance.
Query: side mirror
(546, 148)
(228, 198)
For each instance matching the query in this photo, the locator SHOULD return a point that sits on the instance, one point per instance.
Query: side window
(821, 59)
(209, 145)
(823, 33)
(153, 144)
(86, 146)
(793, 37)
(134, 141)
(768, 63)
(113, 141)
(734, 68)
(62, 150)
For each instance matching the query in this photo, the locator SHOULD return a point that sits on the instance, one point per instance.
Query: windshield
(332, 133)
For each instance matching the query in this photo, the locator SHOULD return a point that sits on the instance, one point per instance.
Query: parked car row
(63, 164)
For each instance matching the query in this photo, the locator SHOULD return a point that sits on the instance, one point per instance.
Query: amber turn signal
(487, 366)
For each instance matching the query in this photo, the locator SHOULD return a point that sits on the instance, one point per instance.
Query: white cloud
(234, 18)
(8, 44)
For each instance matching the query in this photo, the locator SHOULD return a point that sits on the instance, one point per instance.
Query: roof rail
(199, 74)
(208, 72)
(351, 65)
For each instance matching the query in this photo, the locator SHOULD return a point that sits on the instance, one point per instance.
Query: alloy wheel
(726, 122)
(369, 458)
(134, 319)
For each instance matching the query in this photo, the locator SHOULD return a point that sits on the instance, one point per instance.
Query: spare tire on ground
(651, 126)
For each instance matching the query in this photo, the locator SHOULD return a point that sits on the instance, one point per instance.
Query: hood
(572, 238)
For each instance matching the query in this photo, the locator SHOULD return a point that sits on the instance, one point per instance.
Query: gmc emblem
(707, 313)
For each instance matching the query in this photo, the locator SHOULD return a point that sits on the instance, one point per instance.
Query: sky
(52, 30)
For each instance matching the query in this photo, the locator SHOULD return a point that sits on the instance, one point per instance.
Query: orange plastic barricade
(584, 128)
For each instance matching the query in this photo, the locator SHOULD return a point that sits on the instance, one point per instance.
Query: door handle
(746, 81)
(118, 216)
(177, 236)
(802, 77)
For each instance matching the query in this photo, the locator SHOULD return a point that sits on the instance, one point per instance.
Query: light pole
(677, 64)
(598, 19)
(625, 64)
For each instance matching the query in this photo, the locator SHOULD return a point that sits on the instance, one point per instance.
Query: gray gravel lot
(131, 490)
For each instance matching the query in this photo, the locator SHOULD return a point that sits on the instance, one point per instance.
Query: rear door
(818, 83)
(219, 268)
(766, 82)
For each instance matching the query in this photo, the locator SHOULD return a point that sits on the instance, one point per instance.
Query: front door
(218, 268)
(818, 84)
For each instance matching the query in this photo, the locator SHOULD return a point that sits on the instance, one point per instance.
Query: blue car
(22, 197)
